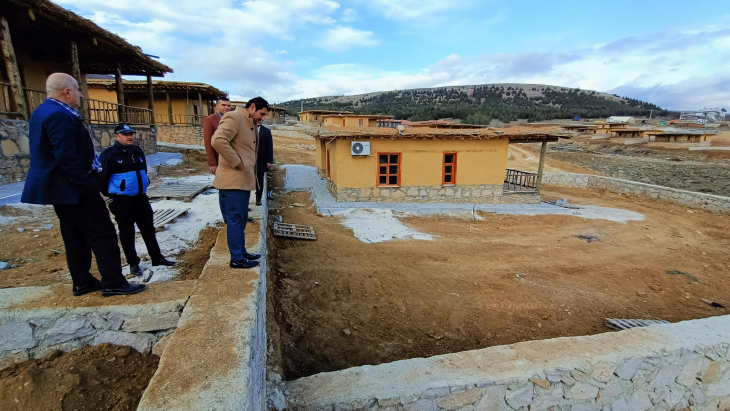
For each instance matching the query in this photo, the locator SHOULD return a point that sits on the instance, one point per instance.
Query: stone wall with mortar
(632, 188)
(32, 333)
(660, 368)
(15, 149)
(181, 134)
(216, 360)
(103, 135)
(477, 194)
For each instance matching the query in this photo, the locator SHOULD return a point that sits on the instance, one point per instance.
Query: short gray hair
(57, 82)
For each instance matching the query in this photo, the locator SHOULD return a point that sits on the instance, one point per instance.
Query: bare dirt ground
(337, 302)
(707, 172)
(37, 262)
(105, 377)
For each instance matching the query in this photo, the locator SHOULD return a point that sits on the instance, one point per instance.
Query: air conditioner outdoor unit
(358, 148)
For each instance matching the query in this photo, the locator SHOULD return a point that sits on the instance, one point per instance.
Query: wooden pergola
(50, 33)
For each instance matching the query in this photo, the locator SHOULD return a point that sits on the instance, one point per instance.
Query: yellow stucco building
(453, 166)
(314, 117)
(352, 120)
(175, 102)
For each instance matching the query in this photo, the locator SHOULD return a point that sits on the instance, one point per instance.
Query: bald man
(63, 172)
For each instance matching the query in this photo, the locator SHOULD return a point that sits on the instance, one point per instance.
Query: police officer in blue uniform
(124, 180)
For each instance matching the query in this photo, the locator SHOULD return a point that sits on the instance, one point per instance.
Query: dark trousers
(260, 176)
(234, 207)
(131, 210)
(86, 227)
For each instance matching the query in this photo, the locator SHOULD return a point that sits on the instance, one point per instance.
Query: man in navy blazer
(63, 169)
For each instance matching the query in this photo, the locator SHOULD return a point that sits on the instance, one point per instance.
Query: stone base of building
(15, 145)
(181, 134)
(472, 194)
(322, 172)
(103, 135)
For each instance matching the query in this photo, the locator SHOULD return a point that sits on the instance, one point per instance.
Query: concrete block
(493, 399)
(583, 391)
(521, 397)
(15, 336)
(426, 404)
(453, 402)
(151, 323)
(627, 369)
(139, 342)
(68, 328)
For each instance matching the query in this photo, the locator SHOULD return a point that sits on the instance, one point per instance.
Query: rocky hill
(483, 103)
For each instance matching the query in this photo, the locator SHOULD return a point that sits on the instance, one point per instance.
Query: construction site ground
(701, 171)
(40, 256)
(338, 302)
(105, 377)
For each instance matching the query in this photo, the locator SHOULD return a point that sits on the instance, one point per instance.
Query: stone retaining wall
(15, 148)
(180, 134)
(32, 333)
(660, 368)
(217, 357)
(469, 194)
(632, 188)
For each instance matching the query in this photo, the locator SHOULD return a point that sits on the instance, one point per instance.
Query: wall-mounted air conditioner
(359, 148)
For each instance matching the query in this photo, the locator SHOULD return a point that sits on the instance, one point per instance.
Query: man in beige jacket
(235, 141)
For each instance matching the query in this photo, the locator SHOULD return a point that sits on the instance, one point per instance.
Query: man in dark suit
(264, 158)
(210, 125)
(63, 172)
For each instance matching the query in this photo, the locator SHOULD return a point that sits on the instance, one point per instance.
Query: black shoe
(135, 270)
(249, 209)
(124, 290)
(258, 202)
(243, 263)
(164, 262)
(79, 291)
(250, 256)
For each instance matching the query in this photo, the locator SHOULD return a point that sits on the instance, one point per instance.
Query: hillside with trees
(481, 104)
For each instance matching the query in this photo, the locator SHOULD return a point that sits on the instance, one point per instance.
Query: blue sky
(675, 54)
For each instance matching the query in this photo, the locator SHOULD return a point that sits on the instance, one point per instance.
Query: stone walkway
(305, 178)
(10, 193)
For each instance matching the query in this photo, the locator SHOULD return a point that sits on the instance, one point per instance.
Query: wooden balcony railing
(516, 180)
(104, 112)
(180, 119)
(7, 107)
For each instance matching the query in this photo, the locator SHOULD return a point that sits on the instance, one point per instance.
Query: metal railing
(181, 119)
(516, 180)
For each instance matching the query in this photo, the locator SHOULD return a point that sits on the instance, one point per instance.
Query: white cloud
(675, 70)
(342, 38)
(413, 10)
(349, 15)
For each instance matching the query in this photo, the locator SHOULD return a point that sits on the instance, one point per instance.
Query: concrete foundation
(216, 358)
(667, 367)
(36, 320)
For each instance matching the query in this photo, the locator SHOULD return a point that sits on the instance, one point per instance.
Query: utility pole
(650, 113)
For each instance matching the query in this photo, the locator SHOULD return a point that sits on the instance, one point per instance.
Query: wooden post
(543, 150)
(169, 106)
(11, 65)
(120, 94)
(200, 107)
(76, 71)
(151, 99)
